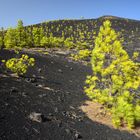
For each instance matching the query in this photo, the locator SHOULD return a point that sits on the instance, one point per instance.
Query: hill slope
(85, 30)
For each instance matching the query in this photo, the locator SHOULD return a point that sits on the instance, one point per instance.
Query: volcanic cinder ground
(45, 104)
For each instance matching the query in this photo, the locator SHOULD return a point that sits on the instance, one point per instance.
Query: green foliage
(60, 33)
(82, 55)
(10, 40)
(81, 45)
(20, 34)
(44, 41)
(135, 55)
(1, 42)
(20, 65)
(38, 34)
(2, 38)
(116, 78)
(29, 37)
(68, 43)
(52, 41)
(57, 42)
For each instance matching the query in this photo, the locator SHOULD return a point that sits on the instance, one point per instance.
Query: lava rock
(78, 136)
(36, 85)
(13, 89)
(31, 80)
(39, 117)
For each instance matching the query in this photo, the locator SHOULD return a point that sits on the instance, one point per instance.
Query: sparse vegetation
(82, 55)
(20, 65)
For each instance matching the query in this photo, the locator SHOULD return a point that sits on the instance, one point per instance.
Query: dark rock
(14, 89)
(27, 79)
(36, 85)
(78, 136)
(31, 80)
(80, 120)
(65, 113)
(48, 118)
(38, 117)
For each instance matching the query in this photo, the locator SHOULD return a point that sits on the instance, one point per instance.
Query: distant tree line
(31, 36)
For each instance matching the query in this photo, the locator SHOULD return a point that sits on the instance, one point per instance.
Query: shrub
(51, 42)
(82, 55)
(20, 65)
(68, 43)
(115, 79)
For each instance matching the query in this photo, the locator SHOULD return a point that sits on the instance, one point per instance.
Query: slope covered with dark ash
(54, 88)
(130, 29)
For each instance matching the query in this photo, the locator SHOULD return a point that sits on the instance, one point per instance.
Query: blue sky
(35, 11)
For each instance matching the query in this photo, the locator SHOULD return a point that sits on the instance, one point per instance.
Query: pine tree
(29, 37)
(2, 38)
(20, 34)
(38, 34)
(115, 79)
(10, 40)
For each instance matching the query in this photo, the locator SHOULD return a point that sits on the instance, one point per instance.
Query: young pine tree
(2, 38)
(38, 34)
(10, 40)
(115, 79)
(20, 34)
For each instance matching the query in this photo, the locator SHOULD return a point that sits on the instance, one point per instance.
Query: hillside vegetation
(79, 34)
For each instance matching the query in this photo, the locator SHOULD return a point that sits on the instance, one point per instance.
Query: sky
(36, 11)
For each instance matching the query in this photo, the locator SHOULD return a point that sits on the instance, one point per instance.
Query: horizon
(38, 11)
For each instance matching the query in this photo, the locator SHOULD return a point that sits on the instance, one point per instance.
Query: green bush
(115, 79)
(20, 65)
(51, 42)
(68, 43)
(82, 55)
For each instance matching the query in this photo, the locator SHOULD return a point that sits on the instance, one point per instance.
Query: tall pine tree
(10, 40)
(116, 78)
(21, 34)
